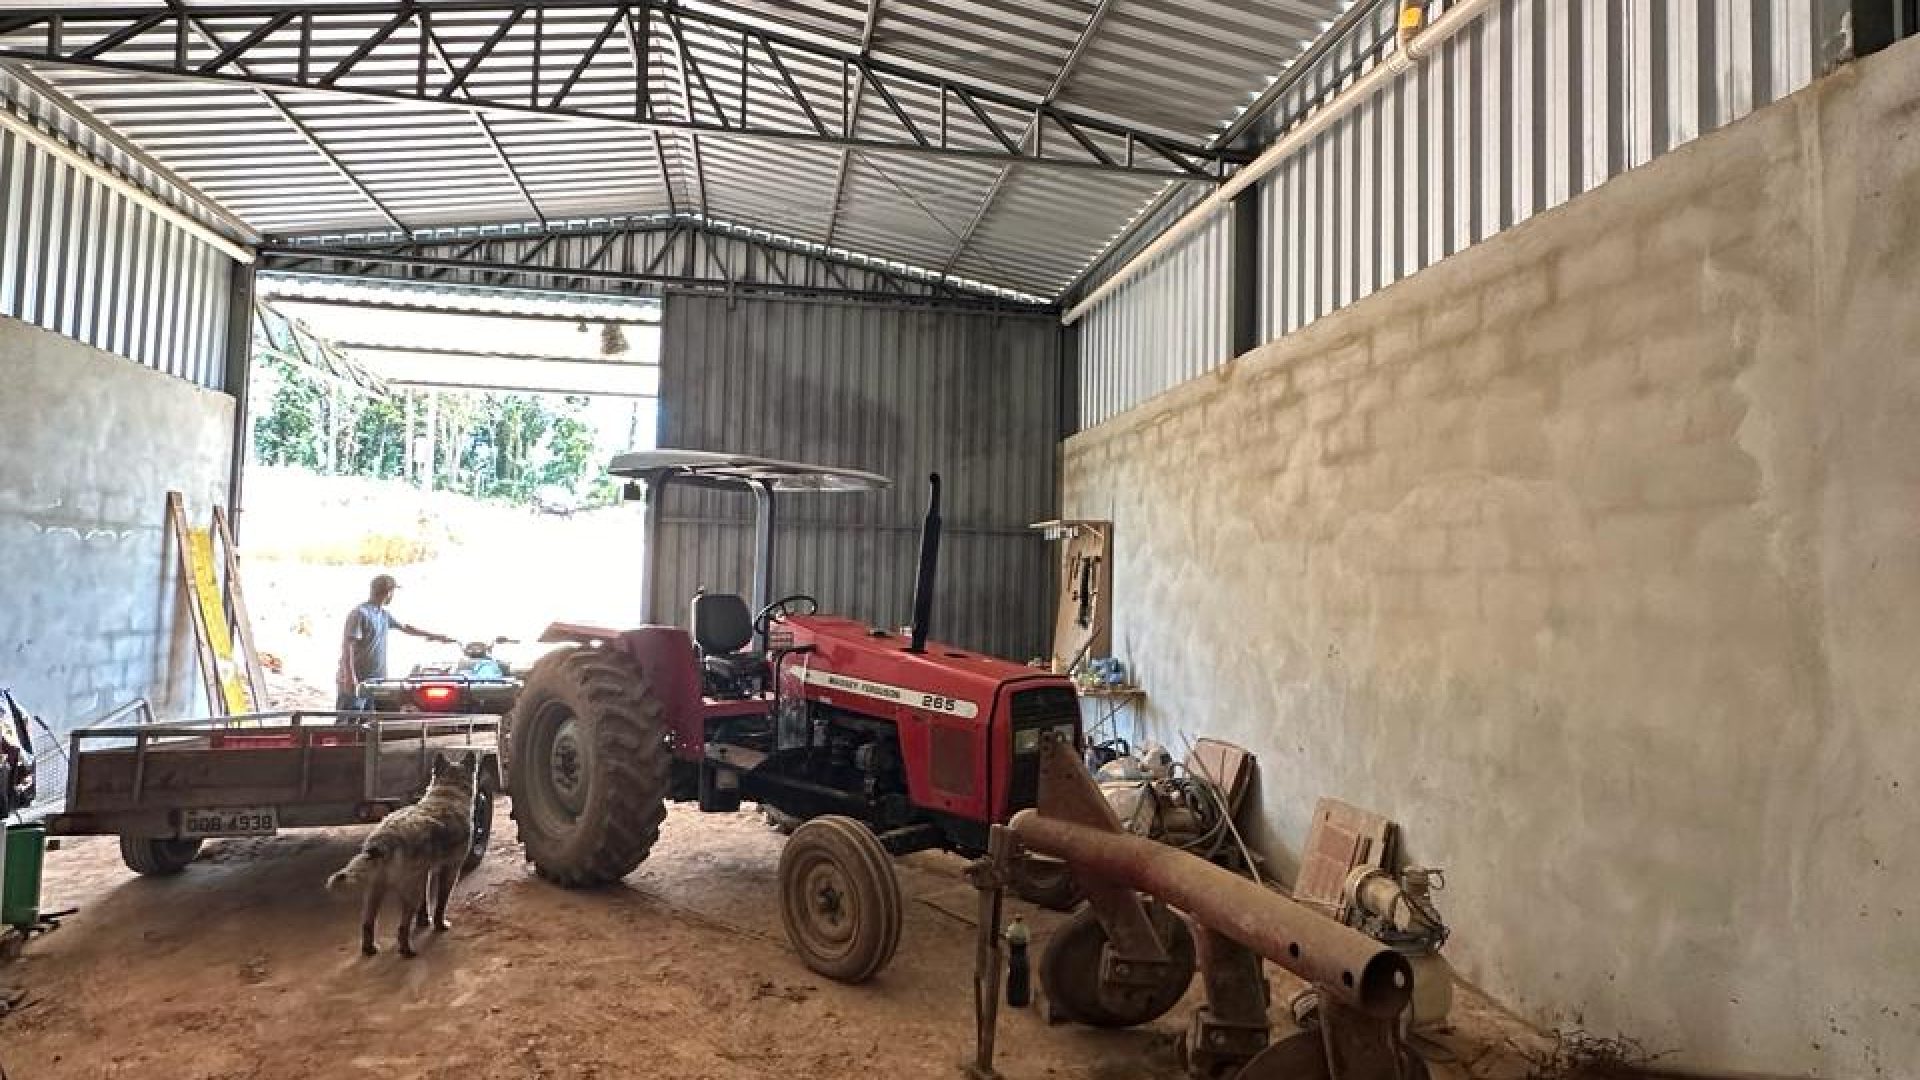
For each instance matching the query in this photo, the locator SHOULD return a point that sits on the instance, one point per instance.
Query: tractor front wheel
(588, 766)
(839, 898)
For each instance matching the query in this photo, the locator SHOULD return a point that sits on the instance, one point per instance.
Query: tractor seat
(722, 629)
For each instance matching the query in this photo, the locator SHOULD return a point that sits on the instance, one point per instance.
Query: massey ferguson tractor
(879, 742)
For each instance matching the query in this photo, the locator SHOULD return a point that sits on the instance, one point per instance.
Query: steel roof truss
(920, 106)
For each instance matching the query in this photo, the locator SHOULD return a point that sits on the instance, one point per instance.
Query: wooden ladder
(220, 621)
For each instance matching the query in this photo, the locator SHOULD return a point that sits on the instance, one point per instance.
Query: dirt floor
(243, 967)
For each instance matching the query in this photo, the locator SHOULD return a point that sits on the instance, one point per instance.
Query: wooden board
(1083, 619)
(209, 666)
(203, 585)
(1342, 837)
(237, 605)
(1228, 766)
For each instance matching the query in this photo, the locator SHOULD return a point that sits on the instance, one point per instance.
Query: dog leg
(370, 913)
(407, 899)
(442, 892)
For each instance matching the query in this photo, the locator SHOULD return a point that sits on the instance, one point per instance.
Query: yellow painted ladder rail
(223, 634)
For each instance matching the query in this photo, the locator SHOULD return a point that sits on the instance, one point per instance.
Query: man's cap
(384, 581)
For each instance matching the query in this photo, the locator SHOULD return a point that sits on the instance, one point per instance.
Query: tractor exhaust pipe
(929, 562)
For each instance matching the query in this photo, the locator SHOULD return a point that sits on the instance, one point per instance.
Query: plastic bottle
(1019, 971)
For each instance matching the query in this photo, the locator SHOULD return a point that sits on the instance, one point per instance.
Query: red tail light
(436, 696)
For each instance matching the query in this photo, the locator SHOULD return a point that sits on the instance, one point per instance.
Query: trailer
(165, 787)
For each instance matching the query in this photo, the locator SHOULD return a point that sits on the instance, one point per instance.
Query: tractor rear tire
(1070, 972)
(839, 898)
(588, 766)
(158, 856)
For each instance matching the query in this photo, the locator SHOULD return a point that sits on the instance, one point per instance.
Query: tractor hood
(855, 658)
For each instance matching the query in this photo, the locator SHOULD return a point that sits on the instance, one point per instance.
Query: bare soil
(244, 967)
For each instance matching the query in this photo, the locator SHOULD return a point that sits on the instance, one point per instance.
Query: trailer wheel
(839, 898)
(483, 795)
(589, 766)
(1070, 972)
(157, 856)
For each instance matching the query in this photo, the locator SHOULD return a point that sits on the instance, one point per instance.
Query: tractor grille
(1032, 712)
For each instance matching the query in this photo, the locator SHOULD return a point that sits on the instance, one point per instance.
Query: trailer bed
(254, 774)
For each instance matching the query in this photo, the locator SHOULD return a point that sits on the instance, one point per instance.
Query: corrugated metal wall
(898, 391)
(1163, 327)
(1540, 101)
(83, 260)
(1536, 102)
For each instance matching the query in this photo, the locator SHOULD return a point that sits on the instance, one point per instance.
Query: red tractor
(877, 742)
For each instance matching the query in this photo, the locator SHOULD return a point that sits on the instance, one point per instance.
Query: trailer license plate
(230, 821)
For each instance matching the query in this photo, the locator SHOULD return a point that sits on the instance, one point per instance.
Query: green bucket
(20, 897)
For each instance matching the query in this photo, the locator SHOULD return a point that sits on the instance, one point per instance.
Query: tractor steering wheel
(779, 610)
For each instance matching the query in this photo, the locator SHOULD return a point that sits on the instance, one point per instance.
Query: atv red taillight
(436, 696)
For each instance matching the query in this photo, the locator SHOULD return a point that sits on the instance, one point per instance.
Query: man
(363, 647)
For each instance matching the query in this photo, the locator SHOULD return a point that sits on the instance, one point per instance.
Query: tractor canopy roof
(738, 472)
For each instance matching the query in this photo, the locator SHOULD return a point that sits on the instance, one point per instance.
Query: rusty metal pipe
(1346, 964)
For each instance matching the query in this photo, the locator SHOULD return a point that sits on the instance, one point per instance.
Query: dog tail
(357, 867)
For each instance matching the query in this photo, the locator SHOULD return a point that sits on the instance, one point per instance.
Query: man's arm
(419, 633)
(349, 678)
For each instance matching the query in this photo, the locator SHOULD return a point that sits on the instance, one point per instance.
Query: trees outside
(487, 445)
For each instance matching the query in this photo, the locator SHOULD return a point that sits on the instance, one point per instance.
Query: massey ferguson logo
(899, 695)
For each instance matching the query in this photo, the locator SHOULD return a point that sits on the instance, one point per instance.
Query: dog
(415, 854)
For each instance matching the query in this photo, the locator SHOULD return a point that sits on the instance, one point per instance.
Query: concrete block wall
(90, 444)
(1592, 557)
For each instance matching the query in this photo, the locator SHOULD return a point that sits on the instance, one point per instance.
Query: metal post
(653, 490)
(989, 876)
(1244, 293)
(239, 375)
(763, 522)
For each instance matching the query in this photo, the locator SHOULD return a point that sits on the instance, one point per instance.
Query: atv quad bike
(875, 743)
(476, 683)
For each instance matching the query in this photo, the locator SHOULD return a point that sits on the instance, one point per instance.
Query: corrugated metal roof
(293, 162)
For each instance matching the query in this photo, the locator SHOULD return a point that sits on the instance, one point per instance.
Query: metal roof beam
(708, 253)
(83, 116)
(308, 260)
(129, 39)
(1091, 27)
(429, 39)
(867, 28)
(185, 20)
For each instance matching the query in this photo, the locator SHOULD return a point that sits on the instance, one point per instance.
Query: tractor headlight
(1026, 740)
(1065, 733)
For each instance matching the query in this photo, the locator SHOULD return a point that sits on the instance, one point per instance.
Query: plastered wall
(90, 444)
(1592, 557)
